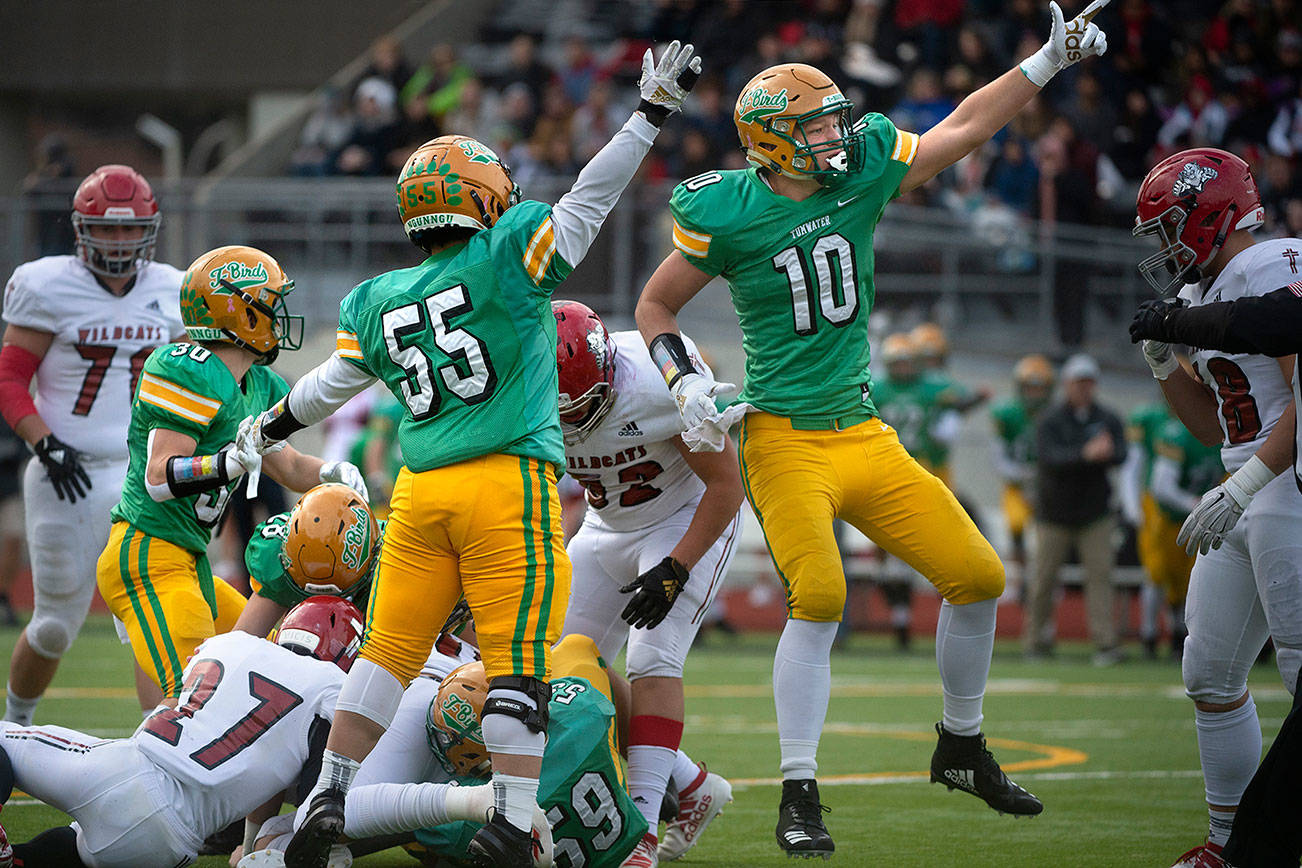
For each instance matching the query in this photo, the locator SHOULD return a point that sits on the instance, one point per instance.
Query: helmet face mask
(1176, 263)
(110, 198)
(236, 295)
(844, 152)
(783, 116)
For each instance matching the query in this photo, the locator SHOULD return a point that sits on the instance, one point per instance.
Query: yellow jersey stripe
(539, 251)
(540, 270)
(173, 407)
(691, 243)
(906, 147)
(347, 346)
(164, 385)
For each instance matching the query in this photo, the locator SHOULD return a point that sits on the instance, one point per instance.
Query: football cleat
(800, 830)
(310, 846)
(643, 855)
(1203, 856)
(698, 805)
(964, 762)
(501, 845)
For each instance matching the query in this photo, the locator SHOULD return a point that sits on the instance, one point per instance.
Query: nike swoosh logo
(844, 202)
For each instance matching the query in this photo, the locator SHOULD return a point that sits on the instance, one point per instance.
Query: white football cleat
(1203, 856)
(643, 855)
(697, 808)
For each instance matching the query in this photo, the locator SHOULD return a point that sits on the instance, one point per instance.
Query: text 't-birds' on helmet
(453, 181)
(585, 364)
(453, 722)
(327, 628)
(1192, 201)
(776, 107)
(236, 295)
(931, 343)
(331, 542)
(115, 196)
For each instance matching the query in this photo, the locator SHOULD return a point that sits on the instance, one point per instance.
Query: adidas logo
(630, 430)
(154, 306)
(796, 836)
(961, 778)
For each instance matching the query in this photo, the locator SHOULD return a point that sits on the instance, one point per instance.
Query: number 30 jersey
(243, 726)
(467, 342)
(1251, 391)
(86, 378)
(185, 388)
(800, 273)
(632, 472)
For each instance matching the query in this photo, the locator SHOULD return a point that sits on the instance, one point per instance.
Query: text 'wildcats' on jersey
(88, 375)
(467, 342)
(185, 388)
(800, 273)
(1251, 391)
(632, 472)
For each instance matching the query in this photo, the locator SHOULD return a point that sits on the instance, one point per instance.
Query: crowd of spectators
(1179, 73)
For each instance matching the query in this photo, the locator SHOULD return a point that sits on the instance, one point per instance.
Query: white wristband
(1249, 479)
(1164, 369)
(1040, 67)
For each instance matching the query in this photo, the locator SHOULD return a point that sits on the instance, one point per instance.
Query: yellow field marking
(996, 687)
(90, 693)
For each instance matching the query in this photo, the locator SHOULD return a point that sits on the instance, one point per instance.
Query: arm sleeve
(17, 367)
(1166, 486)
(326, 388)
(578, 216)
(1132, 479)
(1269, 324)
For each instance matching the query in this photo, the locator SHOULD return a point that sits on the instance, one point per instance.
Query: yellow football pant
(488, 528)
(1167, 565)
(1017, 509)
(797, 481)
(577, 656)
(152, 586)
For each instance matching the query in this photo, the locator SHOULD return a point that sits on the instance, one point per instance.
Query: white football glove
(1160, 358)
(250, 446)
(348, 474)
(1069, 42)
(695, 396)
(1219, 510)
(664, 85)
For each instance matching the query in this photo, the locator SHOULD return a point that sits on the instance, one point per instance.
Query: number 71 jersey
(800, 273)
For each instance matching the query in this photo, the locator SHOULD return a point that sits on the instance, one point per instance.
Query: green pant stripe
(530, 572)
(370, 604)
(759, 516)
(124, 571)
(549, 574)
(157, 606)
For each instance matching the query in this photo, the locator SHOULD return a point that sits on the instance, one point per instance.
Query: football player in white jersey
(83, 326)
(1247, 580)
(662, 525)
(243, 730)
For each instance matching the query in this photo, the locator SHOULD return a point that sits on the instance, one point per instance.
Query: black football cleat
(800, 830)
(964, 762)
(323, 826)
(500, 844)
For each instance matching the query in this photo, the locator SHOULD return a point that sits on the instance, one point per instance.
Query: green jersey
(594, 821)
(800, 274)
(266, 568)
(185, 388)
(1142, 429)
(467, 342)
(1200, 466)
(912, 407)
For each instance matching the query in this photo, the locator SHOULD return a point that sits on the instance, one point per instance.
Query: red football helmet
(585, 360)
(115, 196)
(1193, 200)
(327, 628)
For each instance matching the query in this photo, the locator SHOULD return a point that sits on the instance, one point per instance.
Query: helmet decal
(357, 539)
(459, 715)
(236, 275)
(478, 152)
(1192, 178)
(758, 103)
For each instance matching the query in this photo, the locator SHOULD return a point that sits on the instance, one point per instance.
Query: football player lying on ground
(659, 515)
(328, 543)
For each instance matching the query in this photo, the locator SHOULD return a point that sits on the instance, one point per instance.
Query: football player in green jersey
(467, 342)
(792, 236)
(329, 543)
(1014, 422)
(190, 401)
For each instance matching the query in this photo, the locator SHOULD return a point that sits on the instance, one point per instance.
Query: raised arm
(1269, 324)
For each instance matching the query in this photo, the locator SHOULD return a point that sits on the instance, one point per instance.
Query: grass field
(1110, 751)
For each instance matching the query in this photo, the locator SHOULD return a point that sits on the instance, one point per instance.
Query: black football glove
(1148, 321)
(64, 468)
(654, 593)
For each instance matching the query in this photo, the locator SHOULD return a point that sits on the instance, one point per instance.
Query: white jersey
(1251, 391)
(633, 472)
(85, 382)
(448, 653)
(243, 725)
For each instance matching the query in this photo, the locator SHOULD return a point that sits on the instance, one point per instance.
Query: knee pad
(1289, 661)
(49, 635)
(1205, 682)
(500, 701)
(647, 660)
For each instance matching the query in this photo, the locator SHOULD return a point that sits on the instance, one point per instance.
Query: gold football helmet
(332, 541)
(236, 295)
(452, 724)
(933, 347)
(772, 113)
(453, 181)
(1033, 380)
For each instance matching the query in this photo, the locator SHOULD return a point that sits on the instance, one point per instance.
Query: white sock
(1229, 746)
(515, 798)
(337, 771)
(685, 772)
(1150, 599)
(649, 768)
(19, 710)
(1219, 825)
(965, 639)
(388, 809)
(802, 686)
